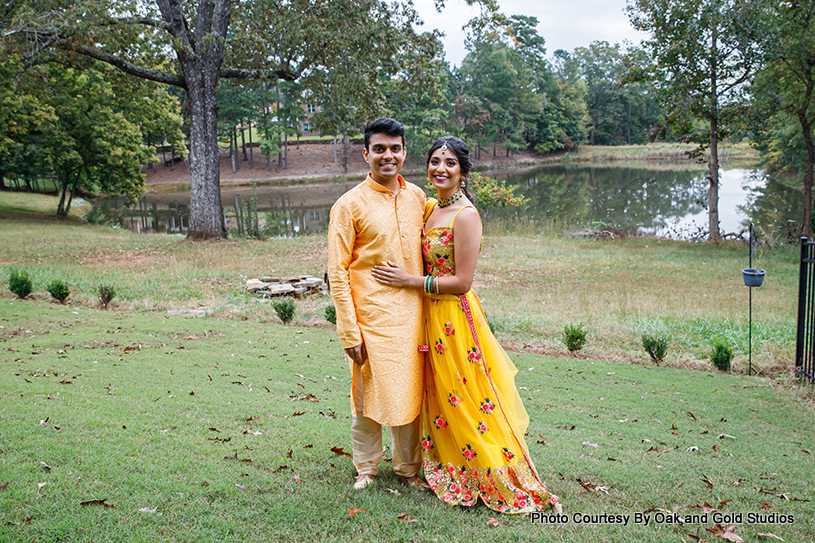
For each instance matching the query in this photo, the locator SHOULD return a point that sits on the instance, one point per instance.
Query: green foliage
(721, 355)
(19, 283)
(285, 309)
(656, 346)
(574, 337)
(106, 294)
(331, 313)
(489, 193)
(59, 290)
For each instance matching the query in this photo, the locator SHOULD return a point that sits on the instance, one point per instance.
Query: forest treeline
(88, 89)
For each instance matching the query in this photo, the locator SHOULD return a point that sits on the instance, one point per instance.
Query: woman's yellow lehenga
(473, 420)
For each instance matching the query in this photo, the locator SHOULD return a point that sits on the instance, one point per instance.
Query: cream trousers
(366, 440)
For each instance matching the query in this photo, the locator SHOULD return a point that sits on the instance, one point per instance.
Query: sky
(563, 24)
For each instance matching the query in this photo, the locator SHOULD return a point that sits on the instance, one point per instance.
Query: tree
(704, 53)
(785, 94)
(219, 39)
(91, 145)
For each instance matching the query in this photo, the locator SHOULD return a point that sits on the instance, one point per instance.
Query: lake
(663, 202)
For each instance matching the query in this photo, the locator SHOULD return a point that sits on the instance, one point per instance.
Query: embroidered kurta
(369, 226)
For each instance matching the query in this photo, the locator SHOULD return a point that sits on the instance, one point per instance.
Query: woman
(473, 420)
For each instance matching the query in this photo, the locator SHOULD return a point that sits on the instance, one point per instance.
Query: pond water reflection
(664, 202)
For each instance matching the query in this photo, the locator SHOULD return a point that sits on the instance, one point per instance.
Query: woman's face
(444, 171)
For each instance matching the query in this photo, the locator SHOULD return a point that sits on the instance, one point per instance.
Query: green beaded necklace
(450, 200)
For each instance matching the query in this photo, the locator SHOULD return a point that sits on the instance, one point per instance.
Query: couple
(423, 359)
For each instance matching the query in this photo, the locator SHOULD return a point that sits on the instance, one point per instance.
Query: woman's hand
(393, 275)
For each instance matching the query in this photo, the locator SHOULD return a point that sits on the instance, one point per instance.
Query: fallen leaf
(589, 444)
(281, 468)
(706, 507)
(405, 518)
(492, 522)
(3, 485)
(242, 487)
(725, 532)
(692, 449)
(40, 485)
(338, 450)
(543, 441)
(805, 452)
(353, 511)
(98, 502)
(296, 478)
(307, 397)
(769, 536)
(394, 491)
(290, 453)
(231, 457)
(147, 510)
(707, 481)
(722, 436)
(298, 413)
(692, 416)
(766, 506)
(45, 466)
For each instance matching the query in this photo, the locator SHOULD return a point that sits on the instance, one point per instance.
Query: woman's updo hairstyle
(462, 153)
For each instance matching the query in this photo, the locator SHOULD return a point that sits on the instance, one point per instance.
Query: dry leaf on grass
(725, 532)
(338, 450)
(769, 536)
(405, 518)
(354, 511)
(101, 503)
(707, 481)
(492, 522)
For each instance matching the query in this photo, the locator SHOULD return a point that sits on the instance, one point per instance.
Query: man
(380, 327)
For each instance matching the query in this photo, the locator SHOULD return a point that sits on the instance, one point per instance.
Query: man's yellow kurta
(369, 226)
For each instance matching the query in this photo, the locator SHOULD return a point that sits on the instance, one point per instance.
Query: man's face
(385, 156)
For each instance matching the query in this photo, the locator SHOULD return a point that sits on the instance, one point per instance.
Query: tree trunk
(713, 194)
(251, 147)
(206, 214)
(806, 129)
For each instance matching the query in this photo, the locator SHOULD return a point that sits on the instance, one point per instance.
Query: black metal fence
(805, 342)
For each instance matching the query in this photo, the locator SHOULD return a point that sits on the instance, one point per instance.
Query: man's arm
(341, 240)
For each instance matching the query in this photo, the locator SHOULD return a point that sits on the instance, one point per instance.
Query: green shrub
(106, 294)
(574, 337)
(722, 355)
(19, 283)
(331, 314)
(59, 290)
(285, 309)
(655, 346)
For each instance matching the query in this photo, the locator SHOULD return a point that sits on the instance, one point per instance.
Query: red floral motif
(454, 400)
(487, 406)
(440, 348)
(462, 380)
(449, 330)
(427, 444)
(509, 455)
(482, 427)
(472, 355)
(468, 452)
(440, 422)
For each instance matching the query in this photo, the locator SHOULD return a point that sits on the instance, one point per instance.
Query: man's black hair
(384, 125)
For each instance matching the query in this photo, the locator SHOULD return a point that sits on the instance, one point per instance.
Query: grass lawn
(137, 425)
(214, 429)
